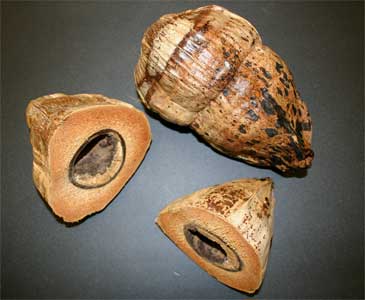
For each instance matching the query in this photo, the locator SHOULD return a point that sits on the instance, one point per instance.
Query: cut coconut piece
(85, 148)
(226, 229)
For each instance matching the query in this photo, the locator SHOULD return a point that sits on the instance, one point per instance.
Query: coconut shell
(226, 229)
(85, 148)
(208, 69)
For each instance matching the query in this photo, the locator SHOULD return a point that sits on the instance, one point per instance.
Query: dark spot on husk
(297, 150)
(294, 109)
(306, 126)
(253, 103)
(278, 67)
(284, 82)
(266, 73)
(248, 64)
(281, 121)
(250, 152)
(288, 158)
(263, 80)
(276, 161)
(295, 93)
(271, 132)
(205, 28)
(242, 129)
(276, 148)
(252, 115)
(298, 129)
(285, 76)
(267, 107)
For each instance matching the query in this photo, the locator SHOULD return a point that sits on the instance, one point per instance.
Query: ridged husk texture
(238, 216)
(208, 69)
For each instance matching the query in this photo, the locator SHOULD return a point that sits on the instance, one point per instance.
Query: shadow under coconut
(298, 173)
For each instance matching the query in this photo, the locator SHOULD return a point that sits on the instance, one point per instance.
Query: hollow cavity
(212, 248)
(98, 160)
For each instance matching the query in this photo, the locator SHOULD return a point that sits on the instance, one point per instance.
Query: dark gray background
(72, 47)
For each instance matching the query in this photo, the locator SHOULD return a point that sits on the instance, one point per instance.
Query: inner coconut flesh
(212, 248)
(98, 160)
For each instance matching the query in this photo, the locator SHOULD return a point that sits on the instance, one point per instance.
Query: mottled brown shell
(208, 69)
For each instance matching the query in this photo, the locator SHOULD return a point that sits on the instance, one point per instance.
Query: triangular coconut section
(226, 229)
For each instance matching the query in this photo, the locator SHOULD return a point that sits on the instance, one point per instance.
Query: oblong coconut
(85, 148)
(226, 229)
(208, 69)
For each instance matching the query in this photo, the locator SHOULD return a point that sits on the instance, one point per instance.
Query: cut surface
(212, 248)
(98, 160)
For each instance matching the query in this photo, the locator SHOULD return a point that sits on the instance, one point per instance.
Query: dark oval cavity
(102, 153)
(210, 250)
